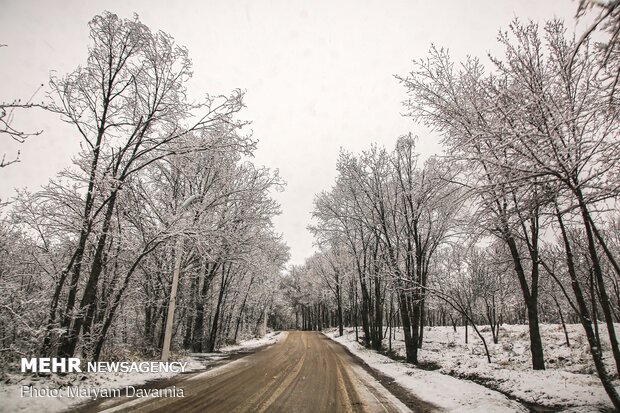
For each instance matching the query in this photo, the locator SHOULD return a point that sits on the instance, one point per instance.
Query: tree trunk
(339, 309)
(90, 291)
(586, 321)
(198, 331)
(530, 296)
(411, 347)
(562, 320)
(211, 342)
(242, 309)
(598, 273)
(365, 314)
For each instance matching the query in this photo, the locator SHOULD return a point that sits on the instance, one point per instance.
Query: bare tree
(128, 105)
(541, 141)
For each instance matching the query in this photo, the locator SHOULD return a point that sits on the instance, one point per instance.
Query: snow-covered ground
(11, 399)
(570, 380)
(448, 393)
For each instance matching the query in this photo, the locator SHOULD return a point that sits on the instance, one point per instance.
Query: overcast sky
(318, 74)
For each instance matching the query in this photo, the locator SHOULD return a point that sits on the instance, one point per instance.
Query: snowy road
(305, 372)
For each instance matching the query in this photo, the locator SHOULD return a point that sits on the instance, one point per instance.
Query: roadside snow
(11, 399)
(569, 380)
(448, 393)
(270, 338)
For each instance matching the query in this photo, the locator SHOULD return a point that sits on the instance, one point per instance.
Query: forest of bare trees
(516, 222)
(86, 262)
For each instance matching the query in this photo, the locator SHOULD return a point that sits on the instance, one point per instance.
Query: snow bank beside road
(446, 392)
(569, 380)
(270, 338)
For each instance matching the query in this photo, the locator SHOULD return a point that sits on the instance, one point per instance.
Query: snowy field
(570, 380)
(11, 386)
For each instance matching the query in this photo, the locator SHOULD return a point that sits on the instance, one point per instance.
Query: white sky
(318, 74)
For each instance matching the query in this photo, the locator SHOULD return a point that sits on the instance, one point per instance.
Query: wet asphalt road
(303, 372)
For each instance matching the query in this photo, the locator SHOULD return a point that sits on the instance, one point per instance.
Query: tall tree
(457, 104)
(129, 106)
